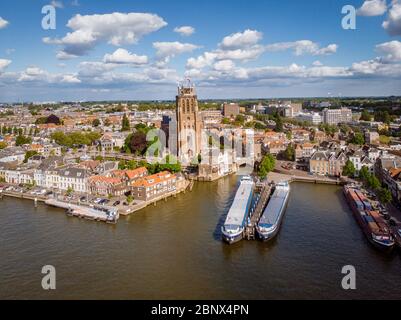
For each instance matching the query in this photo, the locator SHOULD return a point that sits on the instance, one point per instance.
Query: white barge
(233, 228)
(269, 223)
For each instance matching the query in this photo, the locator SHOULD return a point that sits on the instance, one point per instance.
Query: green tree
(385, 196)
(365, 116)
(130, 199)
(364, 173)
(96, 123)
(289, 153)
(267, 165)
(3, 145)
(349, 169)
(125, 125)
(358, 139)
(279, 124)
(29, 155)
(373, 182)
(385, 140)
(70, 191)
(21, 140)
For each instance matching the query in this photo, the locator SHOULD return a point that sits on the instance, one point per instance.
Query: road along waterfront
(174, 251)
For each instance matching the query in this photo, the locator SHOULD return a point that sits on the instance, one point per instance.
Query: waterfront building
(106, 186)
(154, 186)
(67, 177)
(304, 151)
(328, 163)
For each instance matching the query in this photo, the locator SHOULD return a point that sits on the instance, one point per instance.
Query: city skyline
(138, 51)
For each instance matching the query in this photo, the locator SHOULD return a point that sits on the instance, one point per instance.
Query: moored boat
(270, 222)
(372, 224)
(233, 228)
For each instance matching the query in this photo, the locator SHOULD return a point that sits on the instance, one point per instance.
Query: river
(174, 251)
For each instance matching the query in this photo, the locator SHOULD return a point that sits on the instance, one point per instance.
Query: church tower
(189, 123)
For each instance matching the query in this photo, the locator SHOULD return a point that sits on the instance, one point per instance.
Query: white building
(312, 117)
(336, 116)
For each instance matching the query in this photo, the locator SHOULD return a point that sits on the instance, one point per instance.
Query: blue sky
(230, 49)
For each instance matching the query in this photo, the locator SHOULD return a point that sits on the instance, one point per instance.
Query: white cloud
(122, 56)
(372, 8)
(4, 63)
(171, 49)
(75, 3)
(391, 49)
(241, 39)
(10, 51)
(317, 63)
(114, 28)
(69, 78)
(3, 23)
(224, 65)
(57, 4)
(393, 22)
(185, 31)
(302, 47)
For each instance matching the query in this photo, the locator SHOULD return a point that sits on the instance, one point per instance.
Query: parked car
(115, 204)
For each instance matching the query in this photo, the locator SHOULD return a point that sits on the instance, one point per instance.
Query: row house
(19, 176)
(154, 186)
(304, 151)
(392, 180)
(130, 176)
(361, 158)
(107, 186)
(300, 135)
(275, 147)
(328, 163)
(66, 178)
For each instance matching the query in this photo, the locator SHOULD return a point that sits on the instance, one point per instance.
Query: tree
(382, 116)
(364, 173)
(373, 182)
(125, 125)
(365, 116)
(107, 122)
(279, 124)
(349, 169)
(21, 140)
(130, 199)
(3, 145)
(267, 165)
(70, 191)
(225, 121)
(358, 139)
(29, 155)
(136, 143)
(96, 123)
(385, 140)
(289, 153)
(385, 196)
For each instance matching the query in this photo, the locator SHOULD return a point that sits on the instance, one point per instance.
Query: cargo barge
(234, 226)
(270, 222)
(371, 222)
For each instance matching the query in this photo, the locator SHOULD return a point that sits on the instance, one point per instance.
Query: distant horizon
(204, 99)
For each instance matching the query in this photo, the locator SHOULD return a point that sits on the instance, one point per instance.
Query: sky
(230, 49)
